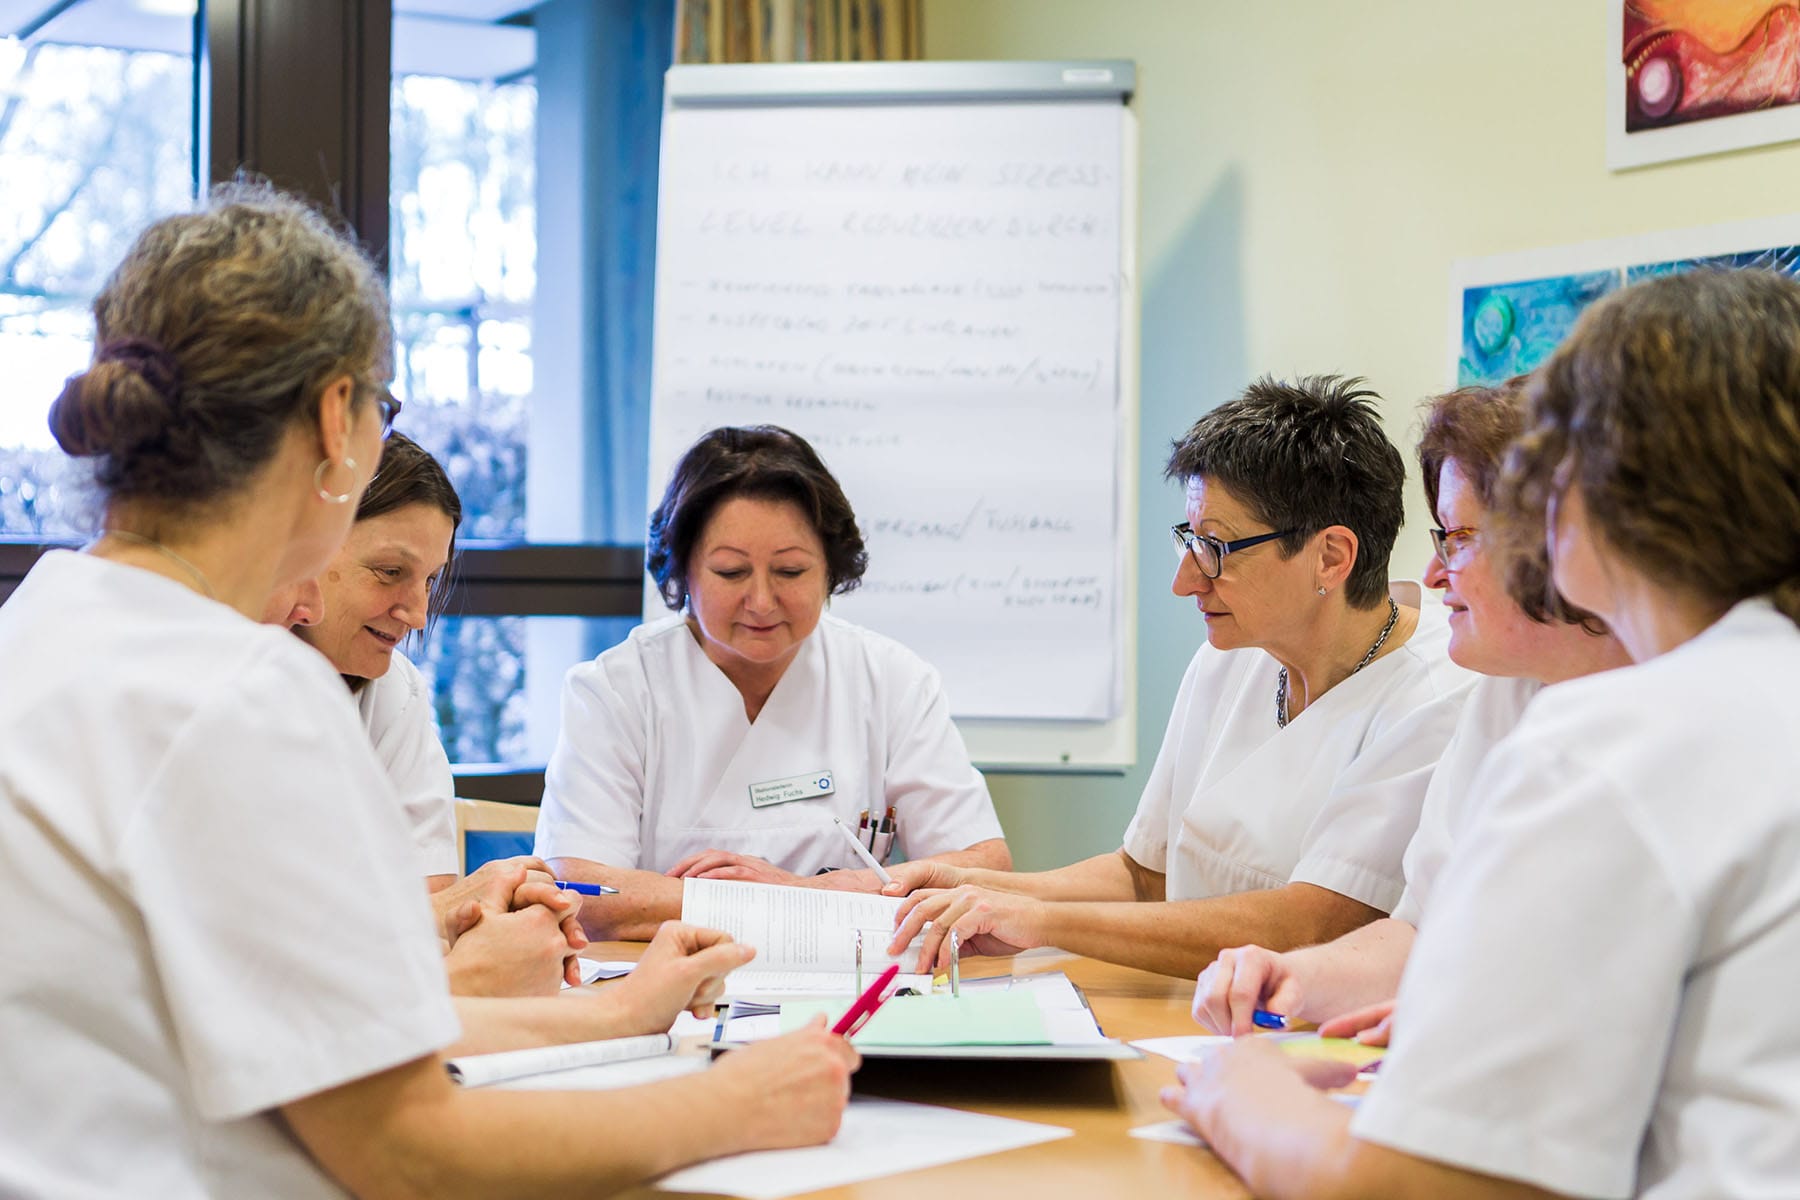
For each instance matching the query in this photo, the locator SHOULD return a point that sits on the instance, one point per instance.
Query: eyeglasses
(1450, 543)
(1209, 552)
(389, 408)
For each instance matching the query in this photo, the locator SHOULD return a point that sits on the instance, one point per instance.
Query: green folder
(987, 1018)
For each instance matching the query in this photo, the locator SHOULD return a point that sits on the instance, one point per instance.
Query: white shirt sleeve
(1534, 1017)
(1147, 837)
(293, 956)
(941, 801)
(594, 786)
(1356, 844)
(396, 711)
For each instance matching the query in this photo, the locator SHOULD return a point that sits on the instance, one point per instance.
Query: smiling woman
(378, 589)
(722, 741)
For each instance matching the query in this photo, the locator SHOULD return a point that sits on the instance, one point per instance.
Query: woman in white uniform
(1587, 1010)
(1305, 730)
(187, 800)
(721, 742)
(1520, 641)
(382, 585)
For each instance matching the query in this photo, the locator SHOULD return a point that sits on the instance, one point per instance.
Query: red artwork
(1692, 60)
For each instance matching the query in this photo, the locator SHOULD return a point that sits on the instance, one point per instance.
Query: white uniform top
(396, 711)
(656, 759)
(202, 916)
(1235, 804)
(1491, 712)
(1598, 1003)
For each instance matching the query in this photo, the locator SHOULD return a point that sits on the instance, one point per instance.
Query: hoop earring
(319, 480)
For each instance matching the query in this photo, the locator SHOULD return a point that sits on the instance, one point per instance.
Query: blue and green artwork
(1510, 328)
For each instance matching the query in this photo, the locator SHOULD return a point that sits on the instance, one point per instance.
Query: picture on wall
(1509, 312)
(1692, 77)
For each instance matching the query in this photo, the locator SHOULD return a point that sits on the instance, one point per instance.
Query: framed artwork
(1692, 77)
(1508, 312)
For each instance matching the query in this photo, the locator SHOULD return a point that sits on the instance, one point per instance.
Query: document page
(805, 938)
(877, 1138)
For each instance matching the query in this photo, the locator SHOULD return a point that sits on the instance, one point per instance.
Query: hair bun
(111, 408)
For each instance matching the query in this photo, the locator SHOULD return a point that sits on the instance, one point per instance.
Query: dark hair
(764, 462)
(1674, 406)
(215, 335)
(1473, 427)
(1303, 456)
(408, 475)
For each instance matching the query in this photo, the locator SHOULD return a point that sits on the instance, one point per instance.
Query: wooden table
(1099, 1101)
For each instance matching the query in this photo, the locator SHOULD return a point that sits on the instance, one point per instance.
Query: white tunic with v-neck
(1236, 804)
(656, 759)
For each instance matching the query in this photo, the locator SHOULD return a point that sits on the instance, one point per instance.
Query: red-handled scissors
(873, 997)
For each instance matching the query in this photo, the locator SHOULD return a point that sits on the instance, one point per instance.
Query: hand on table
(1248, 1074)
(723, 864)
(911, 877)
(791, 1090)
(683, 968)
(1372, 1026)
(986, 922)
(1242, 980)
(523, 953)
(494, 884)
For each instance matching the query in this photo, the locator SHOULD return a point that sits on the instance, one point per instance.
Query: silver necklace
(153, 544)
(1281, 686)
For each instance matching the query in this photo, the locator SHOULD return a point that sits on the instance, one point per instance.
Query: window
(486, 390)
(96, 139)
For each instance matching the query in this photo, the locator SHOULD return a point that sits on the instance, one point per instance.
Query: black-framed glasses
(1209, 552)
(1450, 543)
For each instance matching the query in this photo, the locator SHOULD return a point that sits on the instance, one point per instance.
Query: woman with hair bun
(217, 981)
(1588, 1008)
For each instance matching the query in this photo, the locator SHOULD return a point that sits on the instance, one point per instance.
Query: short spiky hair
(1304, 456)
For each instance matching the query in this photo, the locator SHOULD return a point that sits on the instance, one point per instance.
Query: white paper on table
(805, 938)
(592, 970)
(1174, 1132)
(688, 1025)
(606, 1076)
(1182, 1049)
(478, 1070)
(878, 1138)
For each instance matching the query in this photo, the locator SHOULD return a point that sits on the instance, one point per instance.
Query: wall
(1309, 172)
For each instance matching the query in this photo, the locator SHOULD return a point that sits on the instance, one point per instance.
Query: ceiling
(459, 38)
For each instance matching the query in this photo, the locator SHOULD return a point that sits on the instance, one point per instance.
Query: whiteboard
(926, 270)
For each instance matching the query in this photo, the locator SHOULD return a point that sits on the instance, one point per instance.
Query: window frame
(252, 57)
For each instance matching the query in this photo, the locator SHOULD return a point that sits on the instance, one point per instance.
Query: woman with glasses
(216, 981)
(1594, 1004)
(1520, 645)
(1303, 734)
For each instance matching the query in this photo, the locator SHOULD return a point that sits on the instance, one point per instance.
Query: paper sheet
(1181, 1049)
(606, 1076)
(877, 1138)
(993, 1018)
(1175, 1132)
(477, 1070)
(805, 938)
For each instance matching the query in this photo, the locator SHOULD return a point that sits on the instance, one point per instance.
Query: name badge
(800, 787)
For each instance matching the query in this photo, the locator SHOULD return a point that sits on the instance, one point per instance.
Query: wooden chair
(487, 829)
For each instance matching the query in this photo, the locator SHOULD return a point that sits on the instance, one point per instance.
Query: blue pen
(587, 889)
(1268, 1020)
